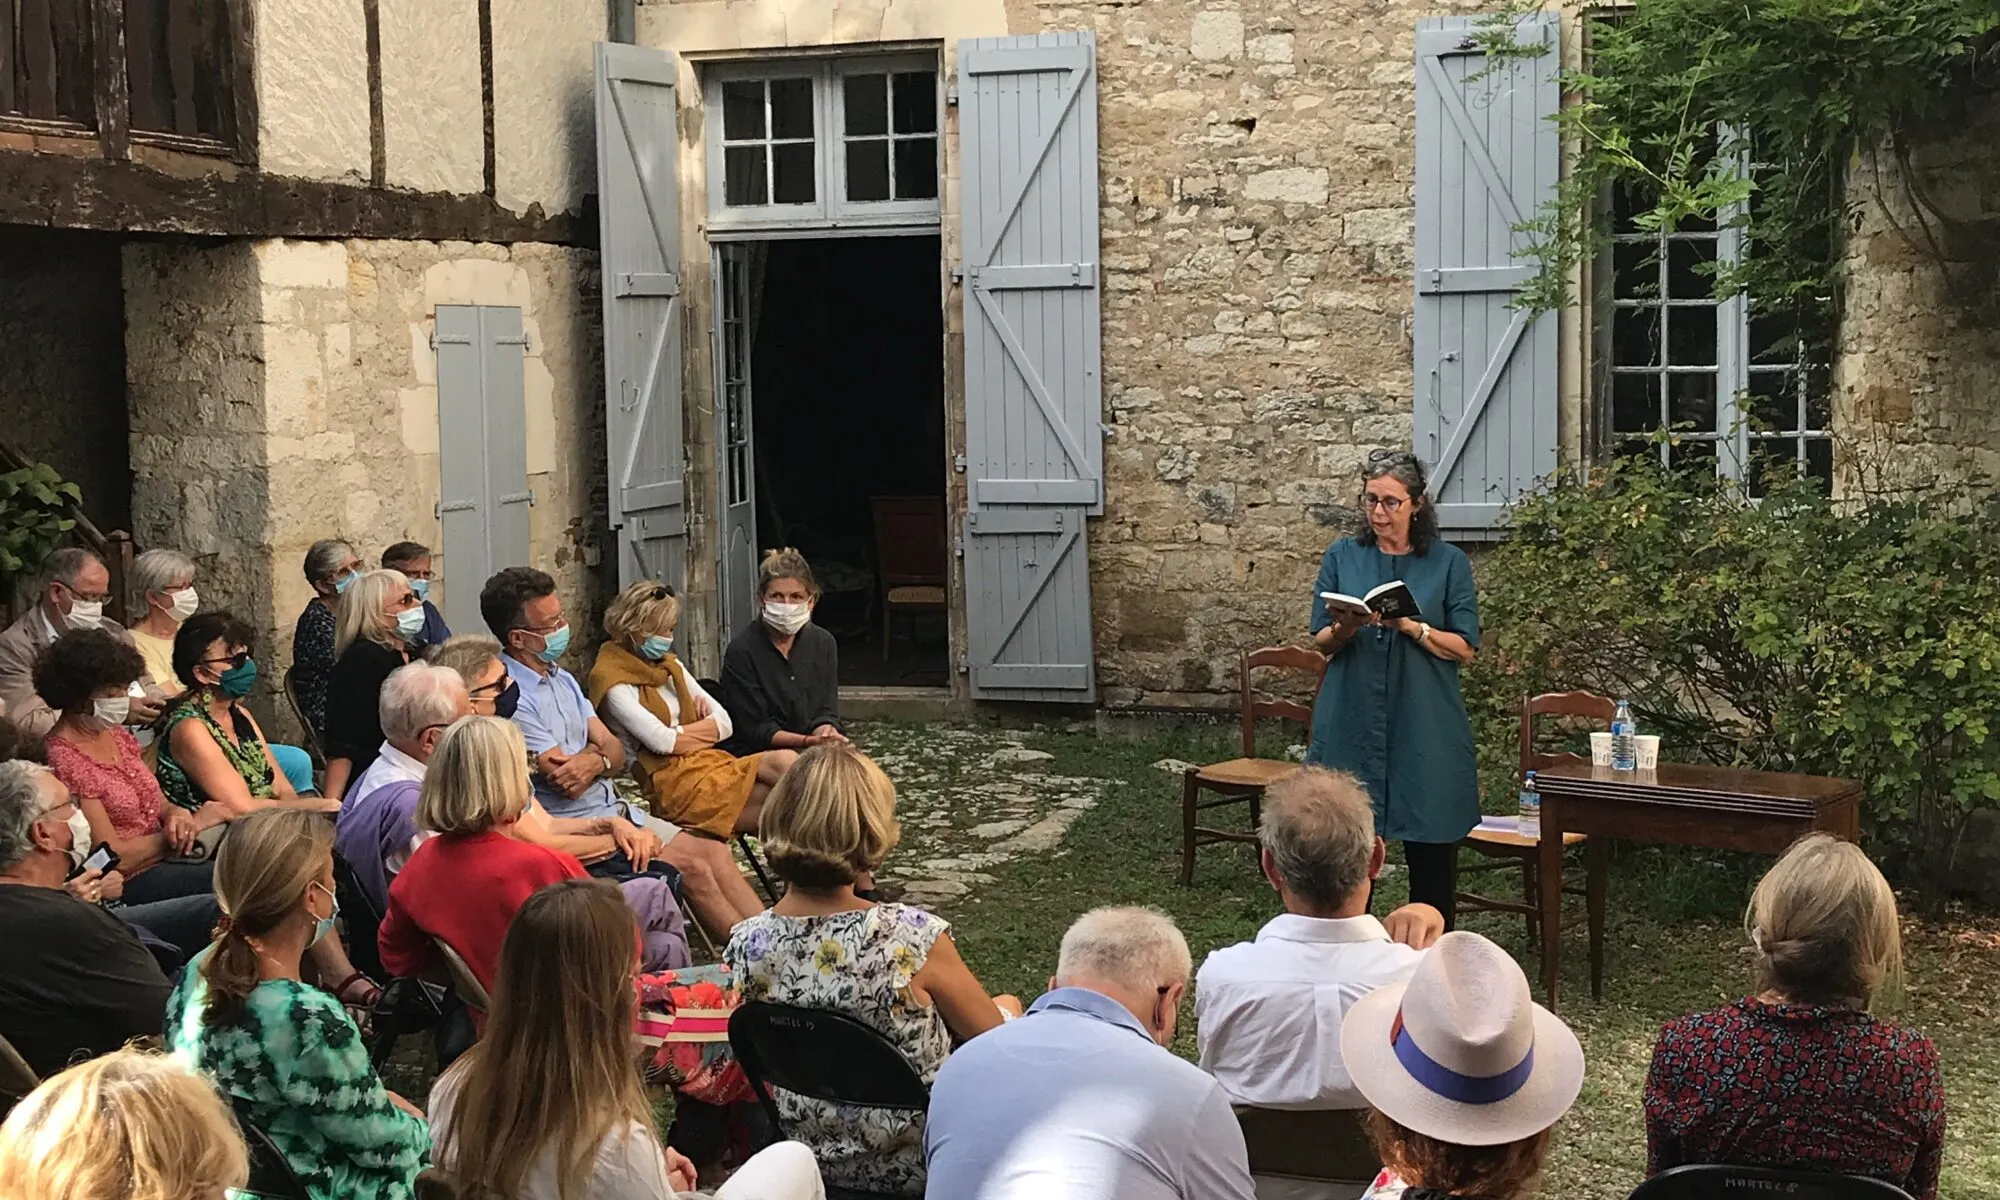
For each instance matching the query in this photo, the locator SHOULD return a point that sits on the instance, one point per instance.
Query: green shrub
(33, 504)
(1859, 639)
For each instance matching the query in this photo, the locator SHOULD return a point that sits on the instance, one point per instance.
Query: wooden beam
(490, 164)
(67, 192)
(243, 71)
(378, 138)
(114, 120)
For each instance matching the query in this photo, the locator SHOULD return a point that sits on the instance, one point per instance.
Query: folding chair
(464, 983)
(771, 890)
(1327, 1145)
(406, 1005)
(17, 1078)
(1717, 1181)
(307, 734)
(826, 1056)
(270, 1174)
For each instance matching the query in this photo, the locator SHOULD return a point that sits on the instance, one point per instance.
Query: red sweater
(464, 888)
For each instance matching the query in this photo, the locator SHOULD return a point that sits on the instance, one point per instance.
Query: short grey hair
(65, 564)
(418, 696)
(324, 556)
(1318, 826)
(1136, 948)
(468, 654)
(160, 570)
(20, 808)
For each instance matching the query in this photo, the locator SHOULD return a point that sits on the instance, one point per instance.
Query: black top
(77, 979)
(765, 692)
(312, 662)
(353, 703)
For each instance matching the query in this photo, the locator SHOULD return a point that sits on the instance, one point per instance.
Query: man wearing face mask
(376, 829)
(413, 559)
(1081, 1097)
(78, 980)
(75, 587)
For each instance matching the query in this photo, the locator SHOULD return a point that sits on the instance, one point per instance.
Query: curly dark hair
(79, 663)
(1405, 468)
(200, 632)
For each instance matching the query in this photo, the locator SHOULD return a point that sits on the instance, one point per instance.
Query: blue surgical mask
(410, 623)
(346, 581)
(422, 587)
(554, 644)
(655, 648)
(325, 923)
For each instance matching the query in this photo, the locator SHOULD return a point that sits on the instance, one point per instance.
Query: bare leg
(771, 767)
(330, 963)
(715, 889)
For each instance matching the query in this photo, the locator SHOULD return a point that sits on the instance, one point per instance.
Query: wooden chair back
(1257, 705)
(912, 547)
(1584, 705)
(1320, 1145)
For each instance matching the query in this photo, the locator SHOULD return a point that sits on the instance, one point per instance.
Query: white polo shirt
(1268, 1012)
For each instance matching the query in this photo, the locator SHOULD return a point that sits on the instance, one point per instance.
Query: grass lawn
(1674, 945)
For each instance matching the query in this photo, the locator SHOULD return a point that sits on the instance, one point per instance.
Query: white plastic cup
(1600, 749)
(1648, 750)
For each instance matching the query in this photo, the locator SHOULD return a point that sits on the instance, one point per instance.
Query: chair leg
(1190, 793)
(1593, 890)
(1531, 897)
(885, 631)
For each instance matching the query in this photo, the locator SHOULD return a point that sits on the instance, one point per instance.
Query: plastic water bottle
(1531, 809)
(1624, 738)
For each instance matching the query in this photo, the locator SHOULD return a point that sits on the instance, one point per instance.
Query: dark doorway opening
(847, 399)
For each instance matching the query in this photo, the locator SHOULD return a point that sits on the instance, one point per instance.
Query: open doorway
(836, 416)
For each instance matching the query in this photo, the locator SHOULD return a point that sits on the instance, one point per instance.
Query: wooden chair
(1327, 1145)
(912, 557)
(1244, 779)
(1507, 850)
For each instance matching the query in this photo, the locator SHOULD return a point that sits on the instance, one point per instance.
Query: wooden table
(1679, 804)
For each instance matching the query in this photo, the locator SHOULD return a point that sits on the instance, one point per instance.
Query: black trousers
(1433, 868)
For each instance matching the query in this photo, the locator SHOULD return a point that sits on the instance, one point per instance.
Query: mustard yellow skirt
(704, 791)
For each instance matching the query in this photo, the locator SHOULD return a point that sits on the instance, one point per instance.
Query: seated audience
(1800, 1074)
(831, 819)
(285, 1051)
(1268, 1012)
(85, 676)
(413, 559)
(648, 699)
(1081, 1097)
(75, 587)
(77, 979)
(131, 1124)
(380, 622)
(464, 885)
(1466, 1074)
(331, 568)
(550, 1104)
(376, 831)
(781, 675)
(609, 845)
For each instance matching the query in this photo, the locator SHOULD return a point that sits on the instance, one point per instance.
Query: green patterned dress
(244, 751)
(300, 1066)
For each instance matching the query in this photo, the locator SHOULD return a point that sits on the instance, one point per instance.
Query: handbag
(206, 843)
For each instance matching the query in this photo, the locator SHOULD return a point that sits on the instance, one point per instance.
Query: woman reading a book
(1389, 708)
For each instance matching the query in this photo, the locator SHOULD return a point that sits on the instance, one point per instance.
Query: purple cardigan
(372, 828)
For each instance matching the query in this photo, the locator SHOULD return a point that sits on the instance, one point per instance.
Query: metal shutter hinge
(958, 463)
(964, 665)
(951, 97)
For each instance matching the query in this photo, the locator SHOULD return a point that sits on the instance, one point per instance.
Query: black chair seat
(1718, 1181)
(271, 1174)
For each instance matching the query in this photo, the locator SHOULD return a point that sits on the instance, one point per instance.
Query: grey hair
(1136, 948)
(1318, 826)
(418, 696)
(158, 571)
(324, 556)
(468, 654)
(65, 564)
(20, 808)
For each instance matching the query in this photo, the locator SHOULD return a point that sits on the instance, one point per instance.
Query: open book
(1392, 600)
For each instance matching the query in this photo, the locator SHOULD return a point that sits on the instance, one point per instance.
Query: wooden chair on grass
(1327, 1145)
(1243, 780)
(1507, 850)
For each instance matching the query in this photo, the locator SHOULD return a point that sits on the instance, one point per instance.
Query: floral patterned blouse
(243, 747)
(859, 963)
(312, 662)
(126, 788)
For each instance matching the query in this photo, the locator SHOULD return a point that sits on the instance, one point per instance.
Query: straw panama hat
(1461, 1052)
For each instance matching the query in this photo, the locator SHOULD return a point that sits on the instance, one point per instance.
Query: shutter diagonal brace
(1018, 355)
(668, 287)
(1489, 382)
(1059, 552)
(1080, 67)
(1453, 103)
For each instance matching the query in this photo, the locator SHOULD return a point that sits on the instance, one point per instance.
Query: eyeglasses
(235, 660)
(408, 600)
(488, 691)
(86, 597)
(662, 592)
(1387, 504)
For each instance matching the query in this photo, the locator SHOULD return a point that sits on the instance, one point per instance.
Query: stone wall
(1917, 381)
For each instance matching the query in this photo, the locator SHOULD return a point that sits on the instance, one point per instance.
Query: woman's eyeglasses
(662, 592)
(408, 600)
(235, 660)
(1387, 504)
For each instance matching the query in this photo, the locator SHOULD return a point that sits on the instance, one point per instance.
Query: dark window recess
(46, 62)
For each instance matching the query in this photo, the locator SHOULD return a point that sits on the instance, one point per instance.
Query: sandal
(361, 1009)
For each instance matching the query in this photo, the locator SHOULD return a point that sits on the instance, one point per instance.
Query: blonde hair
(830, 818)
(262, 872)
(1823, 922)
(556, 1072)
(785, 563)
(1136, 948)
(477, 778)
(129, 1124)
(364, 611)
(641, 610)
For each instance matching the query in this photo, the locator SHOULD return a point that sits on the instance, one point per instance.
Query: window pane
(1691, 269)
(792, 172)
(916, 169)
(1774, 401)
(868, 170)
(791, 108)
(743, 177)
(1819, 398)
(1771, 459)
(1691, 336)
(916, 102)
(1635, 337)
(1691, 403)
(1635, 403)
(743, 110)
(1819, 460)
(867, 99)
(1635, 270)
(1691, 454)
(1774, 339)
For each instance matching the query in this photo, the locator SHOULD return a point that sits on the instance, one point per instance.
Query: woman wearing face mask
(331, 568)
(381, 627)
(659, 712)
(781, 675)
(286, 1052)
(163, 582)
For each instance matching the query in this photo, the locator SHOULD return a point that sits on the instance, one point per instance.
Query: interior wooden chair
(1327, 1145)
(1243, 780)
(1505, 850)
(912, 557)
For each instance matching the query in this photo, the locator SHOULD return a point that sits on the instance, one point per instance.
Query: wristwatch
(1424, 634)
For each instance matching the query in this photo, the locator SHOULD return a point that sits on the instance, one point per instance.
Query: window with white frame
(798, 144)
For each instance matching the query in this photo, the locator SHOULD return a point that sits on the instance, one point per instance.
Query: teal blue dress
(1389, 711)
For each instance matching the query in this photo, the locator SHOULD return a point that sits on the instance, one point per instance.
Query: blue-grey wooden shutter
(638, 203)
(1028, 149)
(483, 495)
(1488, 158)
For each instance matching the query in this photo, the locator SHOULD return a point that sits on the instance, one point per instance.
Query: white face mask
(112, 710)
(79, 838)
(787, 619)
(86, 614)
(185, 602)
